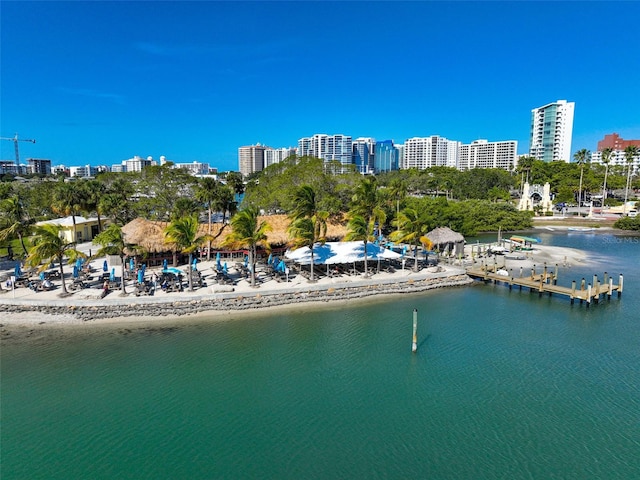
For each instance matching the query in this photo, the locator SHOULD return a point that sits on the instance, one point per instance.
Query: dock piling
(414, 344)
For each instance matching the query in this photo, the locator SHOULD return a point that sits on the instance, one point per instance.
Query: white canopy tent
(340, 252)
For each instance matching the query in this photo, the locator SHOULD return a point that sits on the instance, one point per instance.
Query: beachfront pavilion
(445, 240)
(343, 254)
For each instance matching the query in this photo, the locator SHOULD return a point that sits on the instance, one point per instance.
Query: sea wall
(157, 307)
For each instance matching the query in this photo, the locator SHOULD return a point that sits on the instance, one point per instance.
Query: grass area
(573, 221)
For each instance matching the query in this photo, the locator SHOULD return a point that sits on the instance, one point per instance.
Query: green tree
(581, 157)
(248, 231)
(183, 233)
(308, 223)
(68, 200)
(208, 192)
(48, 246)
(14, 221)
(94, 190)
(606, 159)
(629, 154)
(366, 212)
(412, 226)
(112, 242)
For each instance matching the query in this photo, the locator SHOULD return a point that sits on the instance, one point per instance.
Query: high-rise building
(39, 165)
(551, 130)
(386, 157)
(363, 154)
(277, 155)
(327, 147)
(484, 154)
(614, 142)
(251, 159)
(427, 152)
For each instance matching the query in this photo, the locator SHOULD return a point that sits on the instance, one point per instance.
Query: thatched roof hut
(149, 234)
(443, 238)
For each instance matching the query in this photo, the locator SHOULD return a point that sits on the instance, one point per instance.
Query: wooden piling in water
(414, 344)
(620, 284)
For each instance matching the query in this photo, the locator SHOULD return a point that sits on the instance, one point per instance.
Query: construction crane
(15, 141)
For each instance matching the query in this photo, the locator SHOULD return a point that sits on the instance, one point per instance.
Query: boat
(581, 229)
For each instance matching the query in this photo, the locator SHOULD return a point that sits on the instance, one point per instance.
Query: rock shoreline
(220, 302)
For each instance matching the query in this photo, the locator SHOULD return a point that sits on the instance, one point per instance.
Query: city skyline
(194, 81)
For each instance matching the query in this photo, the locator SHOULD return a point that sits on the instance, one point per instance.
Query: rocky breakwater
(87, 310)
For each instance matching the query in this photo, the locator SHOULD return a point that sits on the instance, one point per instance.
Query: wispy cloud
(86, 92)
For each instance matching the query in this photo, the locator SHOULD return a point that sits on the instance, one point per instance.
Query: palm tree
(15, 221)
(524, 165)
(398, 191)
(249, 232)
(48, 246)
(183, 233)
(94, 190)
(629, 154)
(112, 242)
(308, 223)
(581, 157)
(412, 226)
(366, 211)
(606, 158)
(207, 191)
(68, 200)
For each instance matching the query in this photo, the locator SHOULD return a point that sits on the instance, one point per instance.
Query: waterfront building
(84, 171)
(427, 152)
(485, 154)
(251, 159)
(386, 158)
(551, 131)
(363, 154)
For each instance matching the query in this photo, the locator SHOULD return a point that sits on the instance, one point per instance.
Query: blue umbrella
(195, 260)
(112, 276)
(269, 259)
(282, 266)
(105, 267)
(140, 276)
(17, 271)
(79, 263)
(224, 268)
(404, 250)
(41, 275)
(218, 257)
(218, 265)
(246, 260)
(75, 271)
(131, 264)
(165, 264)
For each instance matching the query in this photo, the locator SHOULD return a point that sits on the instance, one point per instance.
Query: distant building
(194, 168)
(363, 154)
(614, 142)
(136, 164)
(619, 159)
(251, 159)
(9, 167)
(60, 169)
(551, 131)
(427, 152)
(83, 172)
(277, 155)
(38, 165)
(386, 158)
(327, 147)
(485, 154)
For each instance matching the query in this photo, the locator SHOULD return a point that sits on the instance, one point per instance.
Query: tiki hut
(445, 240)
(149, 235)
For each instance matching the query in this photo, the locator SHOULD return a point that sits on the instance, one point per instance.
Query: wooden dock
(545, 281)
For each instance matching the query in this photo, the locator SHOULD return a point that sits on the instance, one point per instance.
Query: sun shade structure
(340, 252)
(443, 238)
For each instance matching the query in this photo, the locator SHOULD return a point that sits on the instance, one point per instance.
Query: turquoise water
(504, 385)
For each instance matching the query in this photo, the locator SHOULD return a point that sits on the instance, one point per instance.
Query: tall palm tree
(207, 192)
(183, 233)
(48, 246)
(366, 212)
(68, 200)
(94, 190)
(398, 191)
(629, 154)
(581, 157)
(606, 159)
(15, 222)
(524, 165)
(248, 231)
(412, 226)
(112, 242)
(308, 222)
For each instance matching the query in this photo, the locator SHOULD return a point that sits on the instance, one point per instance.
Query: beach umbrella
(269, 259)
(224, 268)
(75, 271)
(165, 264)
(195, 261)
(79, 263)
(140, 276)
(132, 264)
(105, 267)
(282, 266)
(17, 271)
(41, 275)
(404, 250)
(246, 260)
(218, 257)
(112, 276)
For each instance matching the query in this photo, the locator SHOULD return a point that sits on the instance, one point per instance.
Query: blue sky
(100, 82)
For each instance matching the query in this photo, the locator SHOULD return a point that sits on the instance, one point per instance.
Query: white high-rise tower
(551, 130)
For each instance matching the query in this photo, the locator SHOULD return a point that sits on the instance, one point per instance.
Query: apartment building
(251, 159)
(485, 154)
(551, 131)
(427, 152)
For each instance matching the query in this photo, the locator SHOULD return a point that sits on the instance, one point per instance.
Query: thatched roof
(443, 236)
(149, 234)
